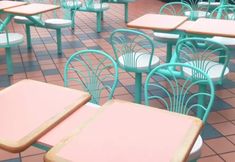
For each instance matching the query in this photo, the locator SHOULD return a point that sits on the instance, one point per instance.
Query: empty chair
(225, 12)
(207, 55)
(72, 6)
(125, 2)
(169, 87)
(8, 40)
(199, 10)
(134, 52)
(97, 7)
(177, 9)
(93, 71)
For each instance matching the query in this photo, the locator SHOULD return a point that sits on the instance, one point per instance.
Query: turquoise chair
(53, 22)
(8, 40)
(126, 4)
(209, 56)
(173, 8)
(93, 71)
(200, 10)
(72, 6)
(88, 6)
(169, 87)
(134, 52)
(225, 12)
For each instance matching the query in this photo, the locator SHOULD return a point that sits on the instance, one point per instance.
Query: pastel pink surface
(127, 132)
(157, 22)
(213, 27)
(67, 126)
(9, 4)
(28, 105)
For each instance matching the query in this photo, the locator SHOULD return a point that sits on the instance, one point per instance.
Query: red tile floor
(43, 64)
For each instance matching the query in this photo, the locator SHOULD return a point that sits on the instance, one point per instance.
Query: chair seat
(211, 4)
(14, 39)
(196, 150)
(97, 7)
(213, 69)
(139, 62)
(229, 42)
(197, 14)
(166, 37)
(72, 4)
(58, 23)
(25, 20)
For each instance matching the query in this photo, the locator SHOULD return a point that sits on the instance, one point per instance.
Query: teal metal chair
(169, 87)
(88, 6)
(200, 9)
(225, 12)
(208, 55)
(72, 6)
(172, 8)
(93, 71)
(134, 52)
(53, 22)
(126, 4)
(8, 40)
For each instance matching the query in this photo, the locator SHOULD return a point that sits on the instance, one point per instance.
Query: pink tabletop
(128, 132)
(9, 4)
(157, 22)
(213, 27)
(67, 126)
(30, 108)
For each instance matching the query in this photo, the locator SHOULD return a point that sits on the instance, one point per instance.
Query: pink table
(124, 131)
(29, 109)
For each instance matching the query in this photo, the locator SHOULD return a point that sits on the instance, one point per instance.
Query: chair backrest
(94, 71)
(202, 53)
(169, 88)
(176, 8)
(226, 12)
(129, 47)
(70, 4)
(64, 10)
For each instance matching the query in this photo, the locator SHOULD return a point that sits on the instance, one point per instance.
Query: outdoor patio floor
(43, 64)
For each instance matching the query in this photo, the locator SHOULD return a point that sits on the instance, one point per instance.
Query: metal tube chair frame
(131, 51)
(81, 69)
(208, 55)
(171, 88)
(172, 8)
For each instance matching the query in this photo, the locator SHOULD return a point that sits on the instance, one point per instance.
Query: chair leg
(28, 36)
(168, 52)
(102, 16)
(126, 12)
(72, 16)
(58, 37)
(98, 21)
(9, 61)
(138, 87)
(202, 89)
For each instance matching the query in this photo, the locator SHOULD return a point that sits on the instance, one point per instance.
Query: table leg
(168, 52)
(98, 21)
(126, 12)
(9, 61)
(138, 87)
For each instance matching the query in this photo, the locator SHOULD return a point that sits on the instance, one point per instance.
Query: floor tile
(211, 159)
(226, 128)
(220, 145)
(229, 157)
